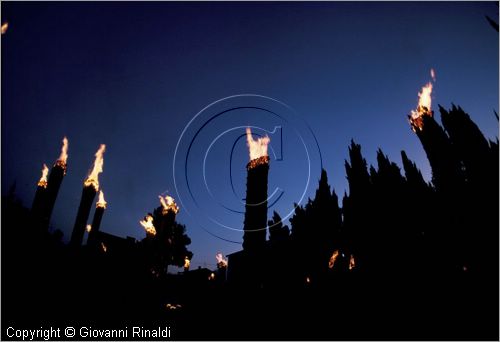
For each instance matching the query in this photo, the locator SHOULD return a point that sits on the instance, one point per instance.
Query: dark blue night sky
(132, 76)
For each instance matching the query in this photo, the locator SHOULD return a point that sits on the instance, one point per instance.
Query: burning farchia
(63, 157)
(148, 226)
(168, 204)
(101, 203)
(221, 262)
(257, 149)
(43, 179)
(5, 26)
(424, 105)
(93, 178)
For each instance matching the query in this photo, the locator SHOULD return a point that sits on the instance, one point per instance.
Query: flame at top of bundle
(5, 26)
(101, 203)
(168, 204)
(424, 106)
(63, 157)
(257, 149)
(93, 178)
(221, 262)
(147, 223)
(43, 180)
(333, 258)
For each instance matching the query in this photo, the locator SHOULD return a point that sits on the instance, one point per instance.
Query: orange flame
(147, 223)
(352, 262)
(101, 203)
(333, 258)
(424, 106)
(88, 228)
(5, 26)
(168, 204)
(221, 262)
(211, 276)
(43, 180)
(93, 178)
(173, 306)
(257, 148)
(187, 263)
(63, 157)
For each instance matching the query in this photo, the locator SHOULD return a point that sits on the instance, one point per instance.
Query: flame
(5, 26)
(88, 228)
(221, 262)
(104, 248)
(173, 306)
(257, 148)
(352, 262)
(63, 157)
(147, 223)
(211, 276)
(424, 106)
(168, 204)
(43, 180)
(187, 263)
(333, 258)
(101, 203)
(308, 280)
(93, 178)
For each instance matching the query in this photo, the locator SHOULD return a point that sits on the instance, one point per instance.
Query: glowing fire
(352, 262)
(187, 263)
(88, 228)
(5, 26)
(333, 258)
(63, 157)
(221, 262)
(173, 306)
(168, 204)
(147, 223)
(211, 276)
(43, 180)
(424, 106)
(257, 148)
(308, 280)
(104, 248)
(101, 203)
(93, 178)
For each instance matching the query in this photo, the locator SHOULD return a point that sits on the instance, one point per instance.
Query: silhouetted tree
(277, 232)
(169, 245)
(301, 241)
(419, 211)
(326, 223)
(279, 260)
(357, 209)
(479, 199)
